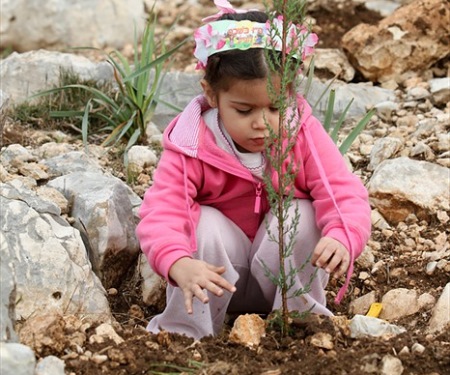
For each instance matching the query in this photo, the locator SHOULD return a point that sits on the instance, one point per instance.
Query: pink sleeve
(349, 194)
(169, 214)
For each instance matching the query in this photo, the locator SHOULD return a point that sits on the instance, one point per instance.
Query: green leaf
(157, 61)
(355, 132)
(170, 105)
(59, 114)
(85, 124)
(323, 94)
(330, 110)
(340, 121)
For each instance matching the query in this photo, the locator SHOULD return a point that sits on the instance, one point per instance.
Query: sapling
(296, 41)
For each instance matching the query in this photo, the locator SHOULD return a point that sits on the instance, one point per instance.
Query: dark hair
(223, 67)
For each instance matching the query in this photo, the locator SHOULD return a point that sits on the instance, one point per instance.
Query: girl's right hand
(193, 276)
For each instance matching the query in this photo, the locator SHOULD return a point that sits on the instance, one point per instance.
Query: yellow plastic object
(375, 309)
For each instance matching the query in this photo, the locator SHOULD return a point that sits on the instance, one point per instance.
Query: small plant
(38, 111)
(281, 196)
(128, 109)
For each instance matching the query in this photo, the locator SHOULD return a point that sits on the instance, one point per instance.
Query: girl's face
(245, 109)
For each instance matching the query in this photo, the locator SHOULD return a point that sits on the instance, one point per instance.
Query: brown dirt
(144, 353)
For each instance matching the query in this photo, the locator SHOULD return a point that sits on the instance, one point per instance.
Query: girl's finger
(221, 282)
(324, 258)
(214, 288)
(217, 269)
(342, 269)
(333, 263)
(188, 302)
(200, 294)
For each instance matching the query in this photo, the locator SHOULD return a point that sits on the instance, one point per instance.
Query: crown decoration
(225, 35)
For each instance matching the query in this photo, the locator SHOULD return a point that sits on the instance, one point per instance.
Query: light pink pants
(221, 242)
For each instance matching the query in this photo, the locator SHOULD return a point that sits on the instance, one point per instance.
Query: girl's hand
(192, 276)
(332, 256)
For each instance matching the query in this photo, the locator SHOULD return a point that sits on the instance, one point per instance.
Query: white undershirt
(254, 161)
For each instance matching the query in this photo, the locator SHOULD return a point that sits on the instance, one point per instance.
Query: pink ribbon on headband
(224, 8)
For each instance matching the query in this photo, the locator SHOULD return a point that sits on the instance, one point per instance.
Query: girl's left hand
(332, 256)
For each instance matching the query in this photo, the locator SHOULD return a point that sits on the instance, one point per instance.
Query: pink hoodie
(194, 171)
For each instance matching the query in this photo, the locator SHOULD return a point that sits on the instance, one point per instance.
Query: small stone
(272, 372)
(363, 275)
(391, 365)
(405, 352)
(163, 338)
(112, 291)
(418, 93)
(426, 301)
(322, 340)
(248, 330)
(378, 221)
(380, 265)
(196, 356)
(431, 267)
(105, 331)
(443, 217)
(398, 303)
(99, 358)
(366, 260)
(417, 348)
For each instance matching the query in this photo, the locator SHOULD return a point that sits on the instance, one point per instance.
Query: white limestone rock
(33, 24)
(440, 320)
(402, 186)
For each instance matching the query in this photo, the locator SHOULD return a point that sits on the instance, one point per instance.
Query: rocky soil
(395, 260)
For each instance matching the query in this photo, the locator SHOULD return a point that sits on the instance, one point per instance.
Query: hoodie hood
(183, 132)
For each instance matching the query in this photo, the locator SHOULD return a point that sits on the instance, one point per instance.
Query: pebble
(99, 358)
(391, 365)
(431, 267)
(322, 340)
(363, 275)
(418, 93)
(417, 348)
(113, 291)
(405, 352)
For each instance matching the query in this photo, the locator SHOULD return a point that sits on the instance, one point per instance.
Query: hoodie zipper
(258, 198)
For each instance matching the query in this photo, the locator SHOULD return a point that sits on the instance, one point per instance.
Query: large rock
(50, 264)
(33, 24)
(7, 294)
(23, 75)
(16, 359)
(411, 39)
(403, 186)
(364, 96)
(103, 209)
(332, 63)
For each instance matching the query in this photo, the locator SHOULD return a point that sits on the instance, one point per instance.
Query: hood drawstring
(316, 158)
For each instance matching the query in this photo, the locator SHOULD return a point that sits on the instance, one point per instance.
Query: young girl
(203, 224)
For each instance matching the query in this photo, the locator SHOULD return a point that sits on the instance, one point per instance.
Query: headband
(224, 35)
